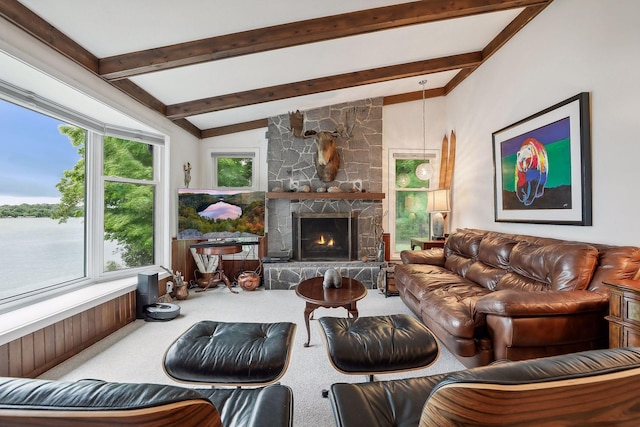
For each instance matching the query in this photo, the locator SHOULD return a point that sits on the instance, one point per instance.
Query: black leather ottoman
(378, 344)
(231, 353)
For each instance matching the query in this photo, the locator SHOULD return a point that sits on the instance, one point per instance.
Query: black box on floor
(146, 293)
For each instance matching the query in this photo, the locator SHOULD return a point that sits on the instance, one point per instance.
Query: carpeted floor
(134, 353)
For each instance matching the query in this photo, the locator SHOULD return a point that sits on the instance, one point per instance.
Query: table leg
(352, 309)
(308, 310)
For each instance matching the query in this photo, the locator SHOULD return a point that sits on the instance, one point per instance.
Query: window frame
(94, 194)
(242, 152)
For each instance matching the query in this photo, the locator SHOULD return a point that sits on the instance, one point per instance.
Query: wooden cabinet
(624, 313)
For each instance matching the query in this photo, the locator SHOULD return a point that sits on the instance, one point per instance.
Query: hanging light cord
(424, 125)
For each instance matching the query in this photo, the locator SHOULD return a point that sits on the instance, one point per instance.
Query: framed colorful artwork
(542, 166)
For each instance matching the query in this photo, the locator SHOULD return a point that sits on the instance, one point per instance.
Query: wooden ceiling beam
(412, 96)
(323, 84)
(235, 128)
(298, 33)
(262, 123)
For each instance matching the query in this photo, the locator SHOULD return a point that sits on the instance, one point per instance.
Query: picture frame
(542, 166)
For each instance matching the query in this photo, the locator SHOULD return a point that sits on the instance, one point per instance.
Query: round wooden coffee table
(316, 295)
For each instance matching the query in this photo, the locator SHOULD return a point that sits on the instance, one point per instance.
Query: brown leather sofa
(592, 388)
(491, 296)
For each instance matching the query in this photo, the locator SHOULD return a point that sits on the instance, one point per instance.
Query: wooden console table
(624, 313)
(218, 250)
(426, 243)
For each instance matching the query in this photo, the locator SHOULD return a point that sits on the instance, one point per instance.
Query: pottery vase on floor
(181, 292)
(203, 279)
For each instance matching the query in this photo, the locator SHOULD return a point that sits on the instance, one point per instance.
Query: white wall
(573, 46)
(402, 129)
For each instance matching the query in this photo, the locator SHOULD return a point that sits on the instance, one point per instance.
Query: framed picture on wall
(542, 166)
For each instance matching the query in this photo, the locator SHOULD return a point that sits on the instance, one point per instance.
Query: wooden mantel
(327, 196)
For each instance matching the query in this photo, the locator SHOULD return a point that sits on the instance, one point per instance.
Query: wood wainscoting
(35, 353)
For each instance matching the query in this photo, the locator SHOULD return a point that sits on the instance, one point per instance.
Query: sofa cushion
(485, 275)
(461, 250)
(419, 278)
(252, 407)
(93, 394)
(495, 250)
(558, 267)
(452, 306)
(381, 403)
(615, 263)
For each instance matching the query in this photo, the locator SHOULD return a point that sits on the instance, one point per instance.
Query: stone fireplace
(291, 167)
(325, 236)
(290, 163)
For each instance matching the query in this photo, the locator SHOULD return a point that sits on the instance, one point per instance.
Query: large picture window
(41, 242)
(76, 205)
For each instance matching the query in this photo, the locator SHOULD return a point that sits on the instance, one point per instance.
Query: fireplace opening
(325, 236)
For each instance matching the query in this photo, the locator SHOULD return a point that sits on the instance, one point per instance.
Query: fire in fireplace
(325, 236)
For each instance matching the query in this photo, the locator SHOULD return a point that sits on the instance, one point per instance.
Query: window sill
(25, 320)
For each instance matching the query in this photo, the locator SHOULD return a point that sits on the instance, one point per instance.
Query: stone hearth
(287, 275)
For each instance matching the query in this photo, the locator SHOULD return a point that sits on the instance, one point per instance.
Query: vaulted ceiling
(216, 67)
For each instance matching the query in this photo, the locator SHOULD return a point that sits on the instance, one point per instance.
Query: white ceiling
(115, 27)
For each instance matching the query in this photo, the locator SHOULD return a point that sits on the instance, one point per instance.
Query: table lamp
(438, 204)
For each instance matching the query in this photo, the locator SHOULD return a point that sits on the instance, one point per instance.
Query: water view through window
(40, 245)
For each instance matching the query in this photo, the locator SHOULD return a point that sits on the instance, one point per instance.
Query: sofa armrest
(515, 303)
(434, 256)
(563, 390)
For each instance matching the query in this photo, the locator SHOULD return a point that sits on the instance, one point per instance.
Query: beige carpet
(134, 353)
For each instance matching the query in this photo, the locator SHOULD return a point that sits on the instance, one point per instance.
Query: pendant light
(424, 171)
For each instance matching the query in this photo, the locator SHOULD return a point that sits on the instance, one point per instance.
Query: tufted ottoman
(231, 353)
(378, 344)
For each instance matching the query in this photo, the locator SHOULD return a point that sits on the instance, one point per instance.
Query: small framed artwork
(542, 166)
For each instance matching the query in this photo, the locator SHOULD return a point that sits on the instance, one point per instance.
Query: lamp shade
(438, 201)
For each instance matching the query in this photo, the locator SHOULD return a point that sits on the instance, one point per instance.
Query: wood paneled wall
(35, 353)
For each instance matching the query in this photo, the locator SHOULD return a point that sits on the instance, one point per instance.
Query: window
(129, 185)
(234, 170)
(79, 201)
(42, 244)
(408, 198)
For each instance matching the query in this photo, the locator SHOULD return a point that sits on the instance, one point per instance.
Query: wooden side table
(316, 296)
(624, 313)
(426, 243)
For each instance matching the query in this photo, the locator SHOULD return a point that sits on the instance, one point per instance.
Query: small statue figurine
(332, 279)
(187, 174)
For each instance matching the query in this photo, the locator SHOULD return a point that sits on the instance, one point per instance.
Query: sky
(33, 155)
